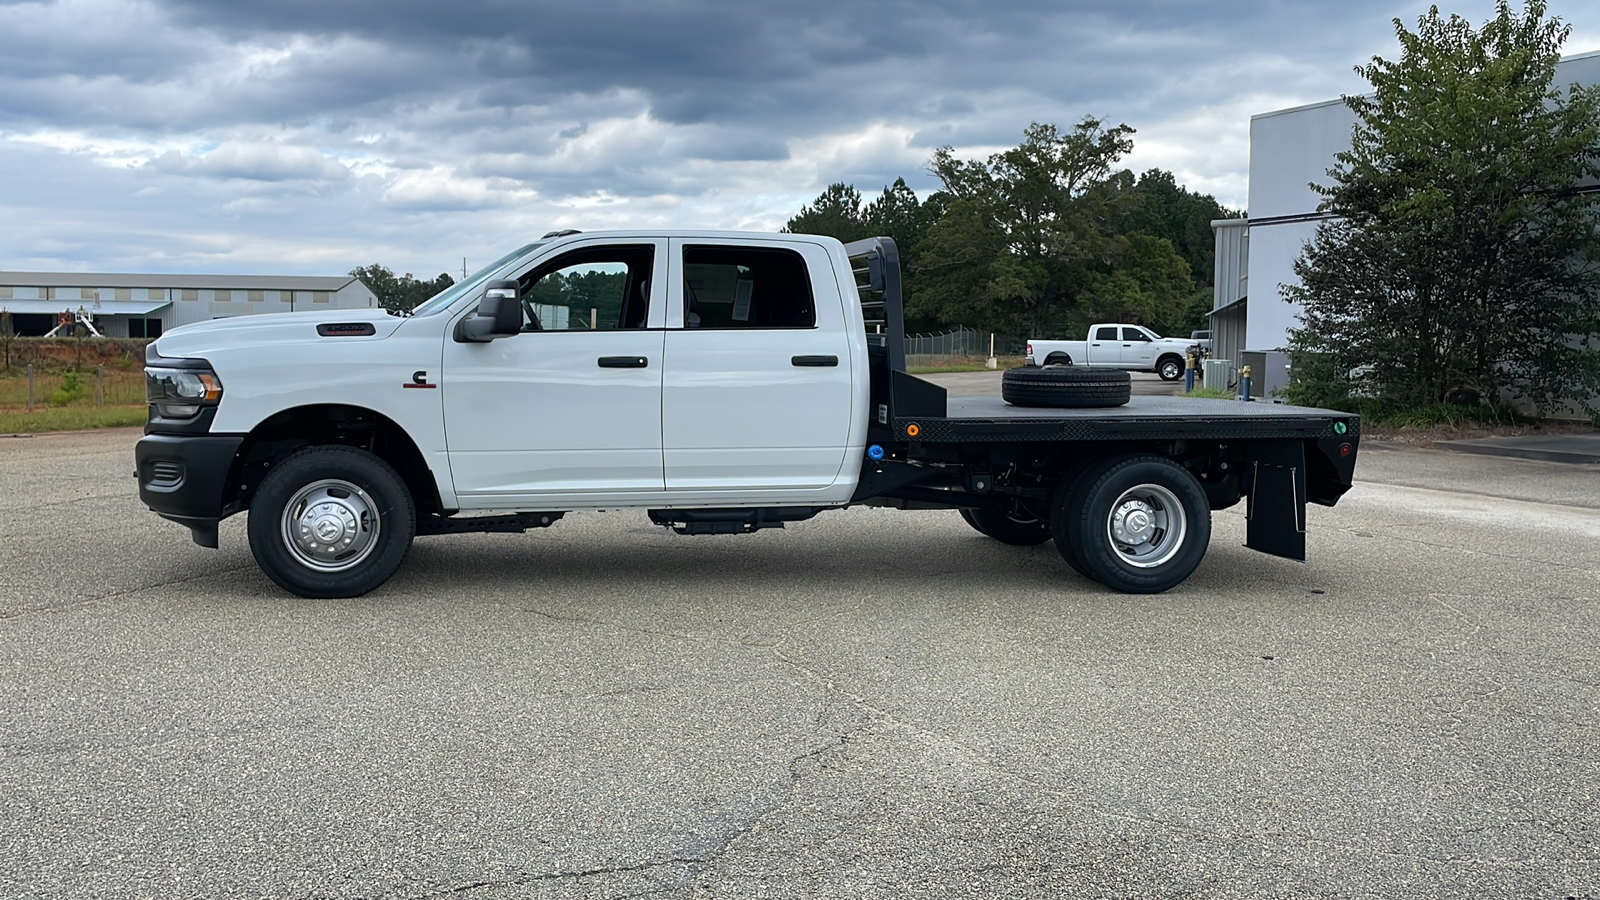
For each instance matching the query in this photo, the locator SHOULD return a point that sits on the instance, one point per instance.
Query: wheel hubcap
(330, 525)
(1147, 525)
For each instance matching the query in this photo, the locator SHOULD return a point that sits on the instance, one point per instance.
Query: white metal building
(146, 305)
(1289, 150)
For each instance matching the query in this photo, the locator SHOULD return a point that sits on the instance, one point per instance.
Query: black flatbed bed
(1143, 418)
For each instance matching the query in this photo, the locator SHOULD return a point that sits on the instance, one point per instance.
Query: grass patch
(1439, 415)
(123, 388)
(966, 364)
(1209, 393)
(71, 418)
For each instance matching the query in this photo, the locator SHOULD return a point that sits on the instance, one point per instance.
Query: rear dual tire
(1016, 529)
(1139, 524)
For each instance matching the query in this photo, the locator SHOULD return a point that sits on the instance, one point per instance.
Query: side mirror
(499, 314)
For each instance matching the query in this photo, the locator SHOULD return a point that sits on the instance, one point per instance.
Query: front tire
(1170, 368)
(1016, 528)
(1140, 524)
(331, 521)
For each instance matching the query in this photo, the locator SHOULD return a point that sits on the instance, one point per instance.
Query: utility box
(1269, 374)
(1214, 373)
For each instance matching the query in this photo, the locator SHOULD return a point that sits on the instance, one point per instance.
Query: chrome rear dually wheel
(1139, 524)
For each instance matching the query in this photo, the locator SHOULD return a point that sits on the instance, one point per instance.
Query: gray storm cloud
(412, 130)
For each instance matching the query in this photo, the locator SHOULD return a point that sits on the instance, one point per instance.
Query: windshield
(466, 286)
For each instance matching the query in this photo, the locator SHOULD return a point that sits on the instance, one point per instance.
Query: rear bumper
(184, 478)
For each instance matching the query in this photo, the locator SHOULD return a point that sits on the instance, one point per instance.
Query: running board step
(730, 521)
(515, 523)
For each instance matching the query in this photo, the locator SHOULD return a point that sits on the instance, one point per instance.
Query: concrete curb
(1580, 449)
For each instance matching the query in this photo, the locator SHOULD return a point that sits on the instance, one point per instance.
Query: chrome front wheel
(331, 525)
(331, 521)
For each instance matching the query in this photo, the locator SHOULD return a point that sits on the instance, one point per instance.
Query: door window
(593, 289)
(746, 287)
(1134, 334)
(1105, 334)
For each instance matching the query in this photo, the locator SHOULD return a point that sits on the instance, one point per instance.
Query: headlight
(181, 393)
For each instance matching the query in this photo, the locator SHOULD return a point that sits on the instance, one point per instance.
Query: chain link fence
(932, 349)
(960, 343)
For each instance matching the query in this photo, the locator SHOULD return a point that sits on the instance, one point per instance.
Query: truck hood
(274, 328)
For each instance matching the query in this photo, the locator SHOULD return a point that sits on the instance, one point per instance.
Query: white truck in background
(1112, 345)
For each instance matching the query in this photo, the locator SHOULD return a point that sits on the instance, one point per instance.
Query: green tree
(399, 292)
(1150, 284)
(836, 213)
(897, 213)
(1163, 208)
(1461, 263)
(1028, 240)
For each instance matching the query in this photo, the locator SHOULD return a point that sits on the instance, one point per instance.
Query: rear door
(1105, 347)
(758, 384)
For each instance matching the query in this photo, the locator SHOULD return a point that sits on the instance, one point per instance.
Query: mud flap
(1276, 484)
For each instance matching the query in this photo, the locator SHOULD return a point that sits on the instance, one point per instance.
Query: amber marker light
(913, 429)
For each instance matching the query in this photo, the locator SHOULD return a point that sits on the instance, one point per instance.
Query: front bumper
(185, 478)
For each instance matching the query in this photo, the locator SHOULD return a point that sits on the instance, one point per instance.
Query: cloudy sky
(312, 136)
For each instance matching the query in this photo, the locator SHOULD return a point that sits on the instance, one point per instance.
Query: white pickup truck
(1115, 346)
(721, 382)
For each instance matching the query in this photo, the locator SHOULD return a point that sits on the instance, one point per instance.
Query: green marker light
(1340, 428)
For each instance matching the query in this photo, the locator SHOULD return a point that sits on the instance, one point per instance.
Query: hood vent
(347, 329)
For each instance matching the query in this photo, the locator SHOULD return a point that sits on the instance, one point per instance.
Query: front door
(758, 383)
(1137, 350)
(572, 404)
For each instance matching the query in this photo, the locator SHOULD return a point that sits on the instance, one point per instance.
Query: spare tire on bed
(1065, 387)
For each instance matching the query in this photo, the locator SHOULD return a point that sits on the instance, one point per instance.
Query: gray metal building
(130, 305)
(1290, 149)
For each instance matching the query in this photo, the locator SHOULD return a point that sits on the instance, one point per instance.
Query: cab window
(593, 289)
(746, 287)
(1105, 334)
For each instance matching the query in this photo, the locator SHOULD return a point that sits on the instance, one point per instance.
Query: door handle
(623, 362)
(814, 360)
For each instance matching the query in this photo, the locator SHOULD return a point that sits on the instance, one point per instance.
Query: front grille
(165, 473)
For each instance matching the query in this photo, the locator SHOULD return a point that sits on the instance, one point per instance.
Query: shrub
(72, 389)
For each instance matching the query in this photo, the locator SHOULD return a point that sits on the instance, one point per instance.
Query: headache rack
(875, 264)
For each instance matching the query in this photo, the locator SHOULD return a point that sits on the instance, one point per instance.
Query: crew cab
(720, 383)
(1112, 345)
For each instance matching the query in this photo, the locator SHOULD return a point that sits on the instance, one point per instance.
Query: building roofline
(174, 281)
(1591, 54)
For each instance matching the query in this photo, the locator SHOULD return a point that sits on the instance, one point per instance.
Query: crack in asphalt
(526, 878)
(111, 595)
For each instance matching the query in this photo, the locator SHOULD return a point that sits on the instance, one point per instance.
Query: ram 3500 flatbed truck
(721, 382)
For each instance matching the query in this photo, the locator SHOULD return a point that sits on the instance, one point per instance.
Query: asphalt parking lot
(871, 703)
